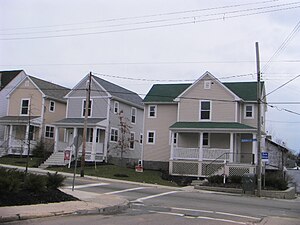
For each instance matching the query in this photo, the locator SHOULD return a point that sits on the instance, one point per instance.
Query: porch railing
(186, 153)
(197, 153)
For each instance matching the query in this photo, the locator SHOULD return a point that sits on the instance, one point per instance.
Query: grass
(103, 170)
(120, 173)
(20, 161)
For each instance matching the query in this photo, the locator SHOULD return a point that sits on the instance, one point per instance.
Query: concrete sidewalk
(279, 221)
(90, 204)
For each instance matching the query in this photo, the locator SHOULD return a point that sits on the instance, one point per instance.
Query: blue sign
(248, 140)
(265, 156)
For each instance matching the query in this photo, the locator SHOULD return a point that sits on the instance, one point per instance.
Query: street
(165, 205)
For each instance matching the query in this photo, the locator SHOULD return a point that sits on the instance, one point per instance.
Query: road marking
(221, 213)
(125, 190)
(86, 185)
(155, 196)
(168, 213)
(217, 219)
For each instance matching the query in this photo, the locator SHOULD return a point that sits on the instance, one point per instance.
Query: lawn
(103, 170)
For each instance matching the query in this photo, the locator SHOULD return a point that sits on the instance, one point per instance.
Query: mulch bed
(25, 197)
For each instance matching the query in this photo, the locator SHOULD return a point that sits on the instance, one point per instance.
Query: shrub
(9, 184)
(234, 179)
(35, 183)
(54, 180)
(276, 181)
(216, 179)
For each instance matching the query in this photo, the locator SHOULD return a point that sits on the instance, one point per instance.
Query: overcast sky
(61, 41)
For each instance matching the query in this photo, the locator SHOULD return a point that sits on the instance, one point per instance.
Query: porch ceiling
(213, 126)
(7, 120)
(78, 122)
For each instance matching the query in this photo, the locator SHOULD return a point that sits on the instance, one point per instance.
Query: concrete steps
(56, 159)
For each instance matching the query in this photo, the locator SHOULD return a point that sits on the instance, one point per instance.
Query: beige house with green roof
(204, 128)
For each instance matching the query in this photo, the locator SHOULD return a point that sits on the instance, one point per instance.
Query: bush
(234, 179)
(35, 183)
(10, 180)
(54, 180)
(275, 181)
(216, 179)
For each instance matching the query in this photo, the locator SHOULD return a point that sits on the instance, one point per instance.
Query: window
(89, 135)
(49, 133)
(89, 108)
(151, 137)
(27, 83)
(175, 139)
(131, 143)
(114, 135)
(25, 106)
(249, 111)
(141, 138)
(205, 110)
(152, 111)
(205, 141)
(98, 136)
(116, 107)
(207, 84)
(52, 106)
(133, 115)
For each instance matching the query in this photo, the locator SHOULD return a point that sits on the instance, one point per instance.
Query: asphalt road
(163, 205)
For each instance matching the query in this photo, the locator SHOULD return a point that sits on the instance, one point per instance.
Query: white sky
(61, 41)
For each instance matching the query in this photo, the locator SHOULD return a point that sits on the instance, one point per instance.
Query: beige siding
(250, 122)
(166, 116)
(223, 110)
(220, 141)
(25, 92)
(58, 114)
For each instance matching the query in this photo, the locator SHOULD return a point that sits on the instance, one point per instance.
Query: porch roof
(17, 119)
(78, 121)
(233, 126)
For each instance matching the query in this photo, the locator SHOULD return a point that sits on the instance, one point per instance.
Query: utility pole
(258, 122)
(86, 114)
(28, 137)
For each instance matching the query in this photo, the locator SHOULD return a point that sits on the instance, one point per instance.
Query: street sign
(264, 156)
(248, 140)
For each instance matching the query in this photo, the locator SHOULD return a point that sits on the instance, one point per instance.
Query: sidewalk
(90, 203)
(279, 221)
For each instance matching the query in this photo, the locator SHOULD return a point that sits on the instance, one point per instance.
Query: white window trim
(53, 106)
(245, 112)
(151, 143)
(208, 144)
(113, 128)
(46, 131)
(116, 106)
(155, 111)
(83, 105)
(132, 140)
(133, 109)
(23, 99)
(207, 84)
(141, 138)
(210, 110)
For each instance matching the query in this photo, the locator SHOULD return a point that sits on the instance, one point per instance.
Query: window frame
(148, 132)
(133, 115)
(113, 134)
(200, 109)
(28, 106)
(155, 111)
(208, 139)
(252, 111)
(132, 141)
(207, 84)
(89, 108)
(141, 138)
(116, 107)
(49, 132)
(52, 106)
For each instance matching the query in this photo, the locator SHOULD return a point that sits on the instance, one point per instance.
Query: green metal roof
(168, 92)
(210, 125)
(165, 92)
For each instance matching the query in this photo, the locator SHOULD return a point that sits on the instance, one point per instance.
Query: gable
(7, 76)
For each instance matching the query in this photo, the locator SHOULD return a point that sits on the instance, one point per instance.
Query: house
(33, 104)
(277, 154)
(201, 129)
(8, 80)
(110, 106)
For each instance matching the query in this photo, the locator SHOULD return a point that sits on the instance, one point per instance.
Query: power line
(282, 85)
(144, 16)
(151, 27)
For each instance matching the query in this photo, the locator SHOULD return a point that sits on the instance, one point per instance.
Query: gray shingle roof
(50, 89)
(7, 76)
(120, 92)
(79, 121)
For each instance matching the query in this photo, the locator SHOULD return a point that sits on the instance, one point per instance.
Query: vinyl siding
(166, 116)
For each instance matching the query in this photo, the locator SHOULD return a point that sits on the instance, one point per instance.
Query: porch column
(56, 140)
(231, 148)
(254, 148)
(201, 146)
(27, 138)
(94, 144)
(172, 146)
(10, 135)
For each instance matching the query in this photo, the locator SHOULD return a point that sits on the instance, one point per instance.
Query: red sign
(67, 155)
